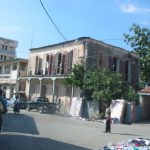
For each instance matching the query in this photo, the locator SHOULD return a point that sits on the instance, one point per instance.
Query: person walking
(16, 108)
(3, 108)
(58, 106)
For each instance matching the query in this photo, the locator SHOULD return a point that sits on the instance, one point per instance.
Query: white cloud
(10, 29)
(130, 8)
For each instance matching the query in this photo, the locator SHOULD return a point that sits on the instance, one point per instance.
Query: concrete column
(40, 85)
(18, 68)
(28, 91)
(17, 86)
(3, 72)
(53, 79)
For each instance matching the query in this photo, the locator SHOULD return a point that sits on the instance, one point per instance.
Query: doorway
(43, 91)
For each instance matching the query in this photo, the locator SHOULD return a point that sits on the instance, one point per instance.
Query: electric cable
(58, 30)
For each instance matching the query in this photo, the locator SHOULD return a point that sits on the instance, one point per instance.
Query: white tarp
(76, 106)
(117, 108)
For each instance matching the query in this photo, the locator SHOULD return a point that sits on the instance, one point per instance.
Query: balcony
(9, 75)
(8, 52)
(6, 79)
(5, 76)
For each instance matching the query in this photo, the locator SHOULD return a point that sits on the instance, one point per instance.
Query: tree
(130, 94)
(139, 40)
(76, 78)
(104, 85)
(95, 83)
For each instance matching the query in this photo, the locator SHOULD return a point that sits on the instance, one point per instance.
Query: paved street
(35, 131)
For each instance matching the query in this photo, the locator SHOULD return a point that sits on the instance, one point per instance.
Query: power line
(52, 21)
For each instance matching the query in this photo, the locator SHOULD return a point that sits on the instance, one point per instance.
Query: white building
(10, 71)
(7, 48)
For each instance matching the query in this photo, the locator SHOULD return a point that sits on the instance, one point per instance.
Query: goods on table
(135, 144)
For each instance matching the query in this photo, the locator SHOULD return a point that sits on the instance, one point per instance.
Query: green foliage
(104, 85)
(96, 84)
(130, 94)
(139, 40)
(77, 75)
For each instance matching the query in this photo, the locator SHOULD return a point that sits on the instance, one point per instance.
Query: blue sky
(104, 20)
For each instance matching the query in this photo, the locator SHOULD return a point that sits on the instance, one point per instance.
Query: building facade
(49, 65)
(145, 103)
(10, 71)
(7, 48)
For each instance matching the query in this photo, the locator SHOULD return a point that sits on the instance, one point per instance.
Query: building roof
(10, 40)
(145, 90)
(72, 42)
(82, 40)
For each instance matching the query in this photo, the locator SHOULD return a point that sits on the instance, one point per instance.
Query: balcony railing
(5, 76)
(10, 52)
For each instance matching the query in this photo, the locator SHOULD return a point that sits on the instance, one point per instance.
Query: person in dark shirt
(16, 108)
(108, 121)
(108, 124)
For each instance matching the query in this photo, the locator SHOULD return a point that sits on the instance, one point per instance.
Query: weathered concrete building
(49, 65)
(7, 48)
(10, 71)
(10, 67)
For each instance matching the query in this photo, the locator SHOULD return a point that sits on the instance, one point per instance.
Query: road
(35, 131)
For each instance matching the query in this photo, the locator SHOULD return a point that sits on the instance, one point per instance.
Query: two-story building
(10, 71)
(49, 65)
(10, 67)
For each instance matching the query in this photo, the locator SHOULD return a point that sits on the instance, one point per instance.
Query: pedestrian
(108, 122)
(3, 108)
(16, 108)
(58, 106)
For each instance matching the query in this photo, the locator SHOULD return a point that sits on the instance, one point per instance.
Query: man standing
(108, 124)
(108, 120)
(3, 108)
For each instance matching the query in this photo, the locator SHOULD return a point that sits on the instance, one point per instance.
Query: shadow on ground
(19, 124)
(11, 141)
(124, 134)
(144, 122)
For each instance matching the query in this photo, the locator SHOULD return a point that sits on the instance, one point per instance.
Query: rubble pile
(135, 144)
